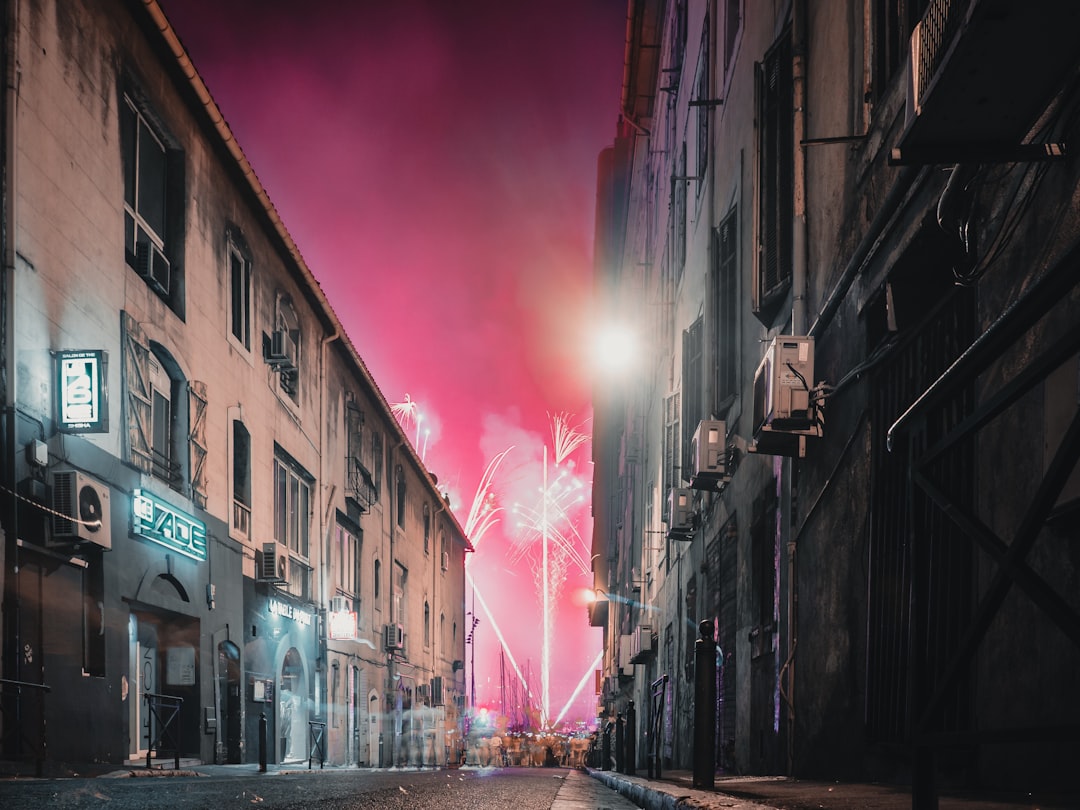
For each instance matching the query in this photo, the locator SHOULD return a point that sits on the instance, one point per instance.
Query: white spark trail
(589, 673)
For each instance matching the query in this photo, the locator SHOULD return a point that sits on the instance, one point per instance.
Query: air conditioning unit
(273, 566)
(708, 455)
(641, 647)
(282, 354)
(394, 637)
(784, 405)
(82, 509)
(153, 265)
(680, 514)
(340, 604)
(981, 73)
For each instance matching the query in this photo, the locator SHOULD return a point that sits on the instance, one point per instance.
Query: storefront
(282, 678)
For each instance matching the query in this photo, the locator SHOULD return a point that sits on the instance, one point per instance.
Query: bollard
(705, 708)
(262, 742)
(620, 763)
(630, 739)
(382, 762)
(605, 748)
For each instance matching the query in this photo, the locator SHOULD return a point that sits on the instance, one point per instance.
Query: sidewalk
(675, 791)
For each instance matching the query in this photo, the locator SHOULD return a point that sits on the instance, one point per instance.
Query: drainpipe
(11, 618)
(798, 327)
(324, 472)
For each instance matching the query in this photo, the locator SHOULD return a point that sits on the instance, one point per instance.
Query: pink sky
(435, 162)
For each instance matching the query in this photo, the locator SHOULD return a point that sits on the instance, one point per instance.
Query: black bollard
(630, 739)
(605, 748)
(262, 742)
(620, 763)
(705, 708)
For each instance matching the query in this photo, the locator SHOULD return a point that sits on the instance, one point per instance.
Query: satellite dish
(90, 511)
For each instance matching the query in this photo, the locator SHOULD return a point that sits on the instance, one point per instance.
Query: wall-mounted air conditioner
(393, 637)
(641, 646)
(152, 264)
(680, 514)
(340, 604)
(272, 565)
(81, 505)
(785, 408)
(708, 455)
(282, 352)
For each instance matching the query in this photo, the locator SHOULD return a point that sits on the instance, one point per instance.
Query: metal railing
(40, 749)
(657, 693)
(316, 742)
(165, 712)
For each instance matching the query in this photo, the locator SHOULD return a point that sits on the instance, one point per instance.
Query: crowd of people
(532, 750)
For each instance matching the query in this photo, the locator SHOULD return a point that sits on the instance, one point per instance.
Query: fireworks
(544, 534)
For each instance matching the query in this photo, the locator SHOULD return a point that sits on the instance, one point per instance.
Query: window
(691, 376)
(677, 210)
(377, 589)
(427, 624)
(152, 198)
(239, 295)
(292, 501)
(287, 337)
(399, 478)
(165, 415)
(672, 440)
(241, 479)
(775, 178)
(726, 291)
(732, 26)
(401, 577)
(444, 556)
(427, 528)
(894, 20)
(704, 108)
(161, 427)
(345, 562)
(361, 486)
(377, 462)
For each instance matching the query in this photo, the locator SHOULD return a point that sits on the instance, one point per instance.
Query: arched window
(377, 587)
(427, 624)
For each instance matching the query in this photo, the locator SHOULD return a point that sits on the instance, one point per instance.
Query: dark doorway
(229, 696)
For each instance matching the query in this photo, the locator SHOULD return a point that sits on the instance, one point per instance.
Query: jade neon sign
(155, 520)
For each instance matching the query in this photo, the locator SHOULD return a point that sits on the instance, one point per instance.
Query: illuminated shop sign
(341, 625)
(80, 381)
(287, 611)
(154, 519)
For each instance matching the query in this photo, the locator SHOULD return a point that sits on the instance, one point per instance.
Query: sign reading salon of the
(162, 523)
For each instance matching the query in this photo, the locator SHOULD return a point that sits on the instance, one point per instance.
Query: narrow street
(522, 789)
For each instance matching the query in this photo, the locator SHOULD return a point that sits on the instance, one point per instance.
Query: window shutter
(137, 401)
(197, 441)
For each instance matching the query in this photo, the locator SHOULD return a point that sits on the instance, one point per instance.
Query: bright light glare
(614, 349)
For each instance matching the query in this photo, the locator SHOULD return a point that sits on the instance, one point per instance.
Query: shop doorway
(292, 709)
(374, 728)
(163, 662)
(229, 707)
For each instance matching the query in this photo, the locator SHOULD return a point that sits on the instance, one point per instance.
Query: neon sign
(156, 520)
(284, 609)
(80, 383)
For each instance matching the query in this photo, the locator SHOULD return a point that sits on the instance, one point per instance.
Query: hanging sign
(80, 383)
